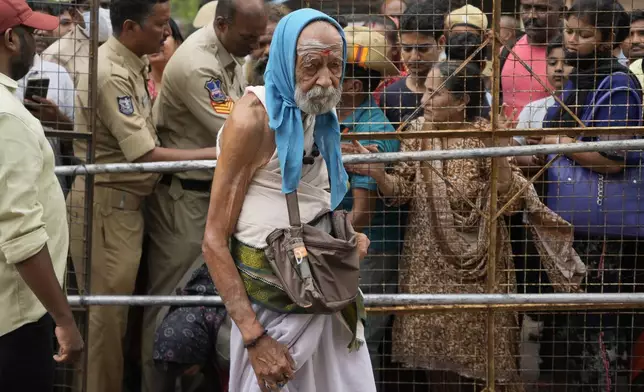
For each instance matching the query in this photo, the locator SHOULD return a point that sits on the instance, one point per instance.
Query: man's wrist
(64, 320)
(252, 343)
(252, 332)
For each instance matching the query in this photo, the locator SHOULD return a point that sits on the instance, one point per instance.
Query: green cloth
(253, 266)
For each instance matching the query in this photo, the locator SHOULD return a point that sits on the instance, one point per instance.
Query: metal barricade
(531, 302)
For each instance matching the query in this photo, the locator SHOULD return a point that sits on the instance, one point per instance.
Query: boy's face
(420, 52)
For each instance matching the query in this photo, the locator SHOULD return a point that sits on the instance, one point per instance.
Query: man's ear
(129, 25)
(221, 23)
(11, 40)
(352, 86)
(464, 102)
(441, 41)
(359, 86)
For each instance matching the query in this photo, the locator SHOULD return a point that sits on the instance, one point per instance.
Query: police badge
(213, 86)
(125, 105)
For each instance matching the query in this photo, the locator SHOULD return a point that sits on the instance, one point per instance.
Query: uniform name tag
(125, 105)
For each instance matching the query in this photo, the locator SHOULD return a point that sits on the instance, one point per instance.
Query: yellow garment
(32, 208)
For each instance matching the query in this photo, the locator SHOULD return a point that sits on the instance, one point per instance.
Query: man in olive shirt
(124, 133)
(33, 227)
(200, 85)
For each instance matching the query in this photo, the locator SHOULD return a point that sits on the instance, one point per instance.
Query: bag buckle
(300, 254)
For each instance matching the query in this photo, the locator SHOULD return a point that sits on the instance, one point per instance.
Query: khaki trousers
(117, 236)
(175, 222)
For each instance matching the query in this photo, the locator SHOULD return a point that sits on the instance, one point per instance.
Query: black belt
(188, 185)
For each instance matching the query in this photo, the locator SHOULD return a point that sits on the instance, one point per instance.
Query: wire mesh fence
(498, 154)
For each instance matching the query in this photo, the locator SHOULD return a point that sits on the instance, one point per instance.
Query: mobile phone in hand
(38, 87)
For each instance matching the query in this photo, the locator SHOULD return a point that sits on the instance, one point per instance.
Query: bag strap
(293, 207)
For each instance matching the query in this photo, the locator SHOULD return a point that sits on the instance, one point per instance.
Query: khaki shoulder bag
(319, 271)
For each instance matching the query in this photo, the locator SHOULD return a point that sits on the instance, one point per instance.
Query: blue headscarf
(285, 118)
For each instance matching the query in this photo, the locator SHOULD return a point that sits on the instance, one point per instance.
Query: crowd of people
(269, 92)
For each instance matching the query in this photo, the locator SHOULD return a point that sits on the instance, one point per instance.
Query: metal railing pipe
(389, 157)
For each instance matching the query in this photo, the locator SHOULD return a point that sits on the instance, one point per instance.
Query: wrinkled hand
(363, 245)
(70, 342)
(272, 363)
(365, 169)
(46, 111)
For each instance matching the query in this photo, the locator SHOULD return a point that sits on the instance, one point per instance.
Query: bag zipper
(325, 245)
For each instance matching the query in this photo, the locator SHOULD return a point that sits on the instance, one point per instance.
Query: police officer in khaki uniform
(72, 50)
(125, 133)
(200, 85)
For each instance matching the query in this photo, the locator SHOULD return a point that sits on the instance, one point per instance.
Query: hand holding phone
(42, 108)
(37, 87)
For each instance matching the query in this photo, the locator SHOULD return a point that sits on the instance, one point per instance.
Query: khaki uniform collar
(133, 62)
(81, 33)
(227, 60)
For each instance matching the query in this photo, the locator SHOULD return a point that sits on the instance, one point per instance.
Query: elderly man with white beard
(282, 138)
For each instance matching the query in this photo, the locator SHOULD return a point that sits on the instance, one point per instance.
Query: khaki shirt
(124, 127)
(71, 52)
(200, 84)
(32, 208)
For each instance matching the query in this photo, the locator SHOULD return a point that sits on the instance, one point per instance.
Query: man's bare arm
(38, 272)
(246, 145)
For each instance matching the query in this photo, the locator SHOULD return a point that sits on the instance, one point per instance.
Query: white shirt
(622, 59)
(61, 86)
(533, 114)
(60, 91)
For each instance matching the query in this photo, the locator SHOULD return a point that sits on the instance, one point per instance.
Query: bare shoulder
(246, 130)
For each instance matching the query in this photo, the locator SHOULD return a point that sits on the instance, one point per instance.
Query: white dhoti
(317, 343)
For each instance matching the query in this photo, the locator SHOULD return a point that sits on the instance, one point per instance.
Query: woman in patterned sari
(447, 240)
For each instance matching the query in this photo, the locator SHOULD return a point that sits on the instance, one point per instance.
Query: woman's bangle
(254, 342)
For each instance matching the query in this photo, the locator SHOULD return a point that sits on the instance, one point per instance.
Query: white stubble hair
(318, 100)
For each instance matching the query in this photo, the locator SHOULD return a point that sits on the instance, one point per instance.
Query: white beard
(317, 100)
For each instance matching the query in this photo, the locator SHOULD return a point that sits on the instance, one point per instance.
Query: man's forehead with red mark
(320, 39)
(314, 47)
